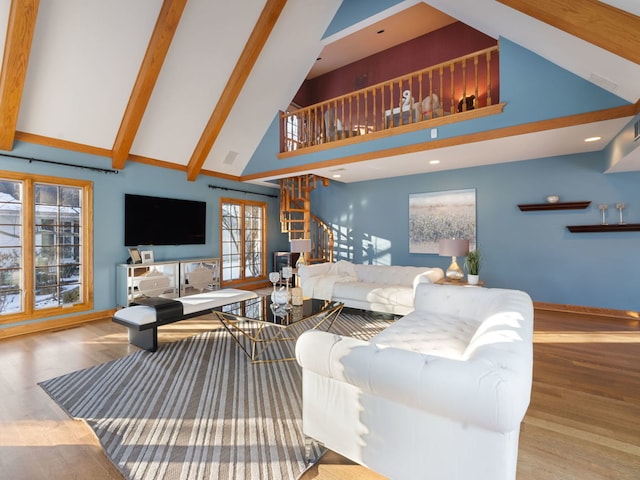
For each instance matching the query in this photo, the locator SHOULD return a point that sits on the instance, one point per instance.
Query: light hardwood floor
(583, 422)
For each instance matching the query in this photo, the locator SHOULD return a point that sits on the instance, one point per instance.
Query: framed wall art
(437, 215)
(147, 256)
(134, 253)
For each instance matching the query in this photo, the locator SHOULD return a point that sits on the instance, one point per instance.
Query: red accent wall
(442, 45)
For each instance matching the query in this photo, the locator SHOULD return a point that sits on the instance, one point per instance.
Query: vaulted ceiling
(194, 85)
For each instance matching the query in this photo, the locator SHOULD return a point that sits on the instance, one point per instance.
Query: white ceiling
(86, 55)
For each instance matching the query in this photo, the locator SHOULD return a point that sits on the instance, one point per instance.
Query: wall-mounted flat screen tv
(163, 221)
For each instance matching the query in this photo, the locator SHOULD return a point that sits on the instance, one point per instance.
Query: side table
(460, 283)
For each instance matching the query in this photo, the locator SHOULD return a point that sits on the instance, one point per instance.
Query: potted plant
(472, 263)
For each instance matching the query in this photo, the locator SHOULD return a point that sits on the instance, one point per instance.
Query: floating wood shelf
(529, 207)
(616, 227)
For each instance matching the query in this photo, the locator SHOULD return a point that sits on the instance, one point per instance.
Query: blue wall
(354, 11)
(531, 251)
(109, 190)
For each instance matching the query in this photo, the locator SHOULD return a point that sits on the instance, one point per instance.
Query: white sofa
(438, 395)
(379, 288)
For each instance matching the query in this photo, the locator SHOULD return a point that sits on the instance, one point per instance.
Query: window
(243, 236)
(291, 135)
(45, 240)
(292, 130)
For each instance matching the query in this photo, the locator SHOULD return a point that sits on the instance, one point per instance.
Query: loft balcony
(460, 89)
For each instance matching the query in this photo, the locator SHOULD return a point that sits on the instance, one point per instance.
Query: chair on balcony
(431, 107)
(333, 126)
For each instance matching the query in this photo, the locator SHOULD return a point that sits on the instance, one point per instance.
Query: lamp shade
(451, 247)
(300, 245)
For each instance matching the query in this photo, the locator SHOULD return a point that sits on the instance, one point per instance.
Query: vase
(281, 297)
(473, 279)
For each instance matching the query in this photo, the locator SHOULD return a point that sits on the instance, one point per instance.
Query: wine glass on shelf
(603, 208)
(620, 207)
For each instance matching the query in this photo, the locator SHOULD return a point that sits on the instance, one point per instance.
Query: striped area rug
(198, 409)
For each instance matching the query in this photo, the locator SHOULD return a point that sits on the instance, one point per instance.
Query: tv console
(167, 279)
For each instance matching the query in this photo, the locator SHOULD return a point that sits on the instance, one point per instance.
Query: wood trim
(599, 23)
(63, 144)
(600, 312)
(56, 324)
(232, 89)
(15, 61)
(175, 166)
(542, 125)
(390, 132)
(161, 38)
(103, 152)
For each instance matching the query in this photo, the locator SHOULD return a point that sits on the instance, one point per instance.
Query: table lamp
(451, 247)
(300, 245)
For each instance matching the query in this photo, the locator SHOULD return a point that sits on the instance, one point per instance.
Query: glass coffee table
(267, 334)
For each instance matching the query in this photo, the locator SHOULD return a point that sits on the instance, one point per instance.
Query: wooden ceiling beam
(161, 38)
(20, 31)
(232, 89)
(598, 23)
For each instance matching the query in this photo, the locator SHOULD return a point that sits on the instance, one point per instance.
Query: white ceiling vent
(230, 158)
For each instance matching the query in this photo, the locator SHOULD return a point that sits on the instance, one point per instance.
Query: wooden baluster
(475, 66)
(303, 124)
(382, 106)
(366, 111)
(375, 109)
(430, 94)
(342, 117)
(420, 96)
(349, 125)
(401, 99)
(411, 101)
(441, 110)
(464, 86)
(357, 112)
(317, 126)
(283, 132)
(337, 136)
(452, 68)
(488, 64)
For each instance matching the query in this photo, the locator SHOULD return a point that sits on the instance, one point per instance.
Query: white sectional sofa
(388, 289)
(439, 394)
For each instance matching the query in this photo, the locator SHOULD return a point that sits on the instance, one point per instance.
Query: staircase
(297, 220)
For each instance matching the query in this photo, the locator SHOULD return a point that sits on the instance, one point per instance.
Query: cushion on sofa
(440, 335)
(374, 293)
(388, 275)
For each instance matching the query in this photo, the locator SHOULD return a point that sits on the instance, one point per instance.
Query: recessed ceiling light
(592, 139)
(336, 175)
(434, 162)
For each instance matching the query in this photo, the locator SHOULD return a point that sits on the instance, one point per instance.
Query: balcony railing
(450, 88)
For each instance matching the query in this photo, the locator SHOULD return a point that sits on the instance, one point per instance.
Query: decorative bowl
(553, 199)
